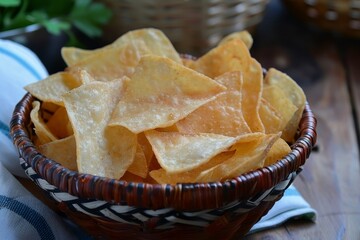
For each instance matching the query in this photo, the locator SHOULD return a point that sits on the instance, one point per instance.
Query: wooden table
(328, 68)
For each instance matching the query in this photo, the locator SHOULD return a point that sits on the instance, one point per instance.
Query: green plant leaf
(10, 3)
(56, 27)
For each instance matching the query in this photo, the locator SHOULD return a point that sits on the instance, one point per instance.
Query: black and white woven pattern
(167, 217)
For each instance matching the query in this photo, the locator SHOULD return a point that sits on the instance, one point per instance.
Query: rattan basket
(342, 16)
(113, 209)
(193, 26)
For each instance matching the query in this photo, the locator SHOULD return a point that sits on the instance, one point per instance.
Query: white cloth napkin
(21, 214)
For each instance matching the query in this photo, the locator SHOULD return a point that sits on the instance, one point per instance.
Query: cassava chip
(163, 177)
(100, 150)
(228, 57)
(153, 39)
(269, 117)
(249, 155)
(277, 152)
(111, 64)
(139, 167)
(62, 151)
(223, 115)
(252, 90)
(280, 103)
(294, 93)
(59, 124)
(53, 87)
(42, 131)
(160, 93)
(233, 81)
(177, 152)
(245, 36)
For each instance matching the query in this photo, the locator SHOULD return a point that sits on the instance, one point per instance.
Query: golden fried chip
(139, 167)
(294, 93)
(163, 177)
(101, 150)
(245, 36)
(252, 90)
(41, 129)
(153, 39)
(281, 103)
(228, 57)
(177, 152)
(110, 64)
(223, 115)
(233, 81)
(249, 155)
(59, 124)
(160, 93)
(277, 152)
(269, 117)
(53, 87)
(62, 151)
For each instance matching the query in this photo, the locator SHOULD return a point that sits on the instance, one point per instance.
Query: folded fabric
(25, 217)
(291, 206)
(19, 67)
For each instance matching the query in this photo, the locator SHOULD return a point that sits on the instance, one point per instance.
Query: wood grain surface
(327, 66)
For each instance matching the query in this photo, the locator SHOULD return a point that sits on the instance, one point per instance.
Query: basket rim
(182, 196)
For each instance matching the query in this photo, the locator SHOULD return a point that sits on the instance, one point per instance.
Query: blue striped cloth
(22, 216)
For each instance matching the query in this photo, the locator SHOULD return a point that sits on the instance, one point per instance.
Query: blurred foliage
(56, 16)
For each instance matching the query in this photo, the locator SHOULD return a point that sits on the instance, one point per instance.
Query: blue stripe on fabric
(30, 215)
(291, 192)
(5, 129)
(22, 62)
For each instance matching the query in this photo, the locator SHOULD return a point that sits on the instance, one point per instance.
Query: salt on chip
(53, 87)
(249, 155)
(233, 81)
(153, 39)
(294, 93)
(223, 115)
(62, 151)
(101, 150)
(245, 36)
(42, 131)
(177, 152)
(160, 93)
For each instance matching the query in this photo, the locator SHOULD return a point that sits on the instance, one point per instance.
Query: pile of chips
(136, 110)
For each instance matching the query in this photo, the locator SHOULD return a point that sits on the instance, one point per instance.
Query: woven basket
(193, 26)
(342, 16)
(108, 208)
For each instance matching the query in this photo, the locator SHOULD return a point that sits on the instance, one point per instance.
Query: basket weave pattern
(337, 15)
(110, 208)
(193, 26)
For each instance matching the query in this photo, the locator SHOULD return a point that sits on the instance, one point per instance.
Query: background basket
(341, 16)
(109, 208)
(193, 26)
